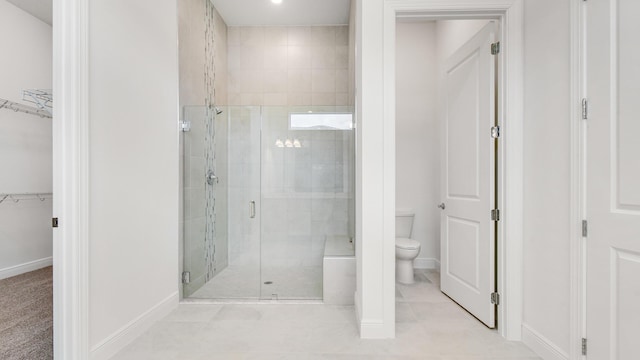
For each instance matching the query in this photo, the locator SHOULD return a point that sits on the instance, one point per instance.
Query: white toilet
(406, 248)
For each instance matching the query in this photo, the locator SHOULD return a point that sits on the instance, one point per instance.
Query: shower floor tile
(235, 282)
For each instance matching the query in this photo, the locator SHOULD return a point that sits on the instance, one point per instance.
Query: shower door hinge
(585, 228)
(185, 126)
(584, 346)
(54, 222)
(495, 48)
(585, 108)
(495, 132)
(495, 298)
(495, 215)
(186, 277)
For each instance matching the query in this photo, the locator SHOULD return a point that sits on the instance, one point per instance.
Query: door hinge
(185, 126)
(585, 228)
(495, 48)
(495, 215)
(585, 108)
(54, 222)
(584, 346)
(186, 277)
(495, 132)
(495, 298)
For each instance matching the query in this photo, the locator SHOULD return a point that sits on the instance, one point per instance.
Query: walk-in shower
(264, 187)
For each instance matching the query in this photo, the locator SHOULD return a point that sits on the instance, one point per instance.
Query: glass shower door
(241, 280)
(221, 202)
(306, 193)
(221, 199)
(204, 198)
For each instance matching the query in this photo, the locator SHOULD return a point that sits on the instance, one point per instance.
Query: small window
(320, 121)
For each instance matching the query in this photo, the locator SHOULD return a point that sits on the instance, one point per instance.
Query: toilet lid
(409, 244)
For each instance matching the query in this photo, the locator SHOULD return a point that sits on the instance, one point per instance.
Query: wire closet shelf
(17, 197)
(42, 99)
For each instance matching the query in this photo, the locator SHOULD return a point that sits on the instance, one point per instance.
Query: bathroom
(268, 151)
(442, 67)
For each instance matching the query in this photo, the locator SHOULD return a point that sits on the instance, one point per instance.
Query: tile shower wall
(295, 65)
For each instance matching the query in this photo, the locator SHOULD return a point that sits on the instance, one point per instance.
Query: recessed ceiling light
(276, 1)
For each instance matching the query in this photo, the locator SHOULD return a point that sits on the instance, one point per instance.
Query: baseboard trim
(372, 329)
(541, 345)
(369, 329)
(426, 263)
(25, 268)
(117, 341)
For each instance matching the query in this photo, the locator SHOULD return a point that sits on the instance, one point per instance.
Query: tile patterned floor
(429, 326)
(295, 282)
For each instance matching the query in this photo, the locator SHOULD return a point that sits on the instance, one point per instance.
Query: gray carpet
(26, 316)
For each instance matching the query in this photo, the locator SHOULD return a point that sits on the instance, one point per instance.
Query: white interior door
(613, 179)
(468, 171)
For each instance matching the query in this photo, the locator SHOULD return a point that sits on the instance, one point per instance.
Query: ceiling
(42, 9)
(288, 13)
(244, 12)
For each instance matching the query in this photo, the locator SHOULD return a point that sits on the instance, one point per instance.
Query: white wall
(375, 179)
(418, 135)
(546, 170)
(452, 34)
(25, 143)
(134, 153)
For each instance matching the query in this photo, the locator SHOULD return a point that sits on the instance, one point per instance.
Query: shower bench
(339, 271)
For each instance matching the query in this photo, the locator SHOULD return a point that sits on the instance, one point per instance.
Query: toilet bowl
(407, 249)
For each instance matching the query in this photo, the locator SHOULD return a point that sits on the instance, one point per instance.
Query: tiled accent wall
(294, 65)
(191, 34)
(193, 91)
(220, 56)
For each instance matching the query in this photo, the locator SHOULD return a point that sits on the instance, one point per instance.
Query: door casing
(509, 14)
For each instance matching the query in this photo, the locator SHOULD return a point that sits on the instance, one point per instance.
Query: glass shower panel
(205, 197)
(306, 192)
(241, 278)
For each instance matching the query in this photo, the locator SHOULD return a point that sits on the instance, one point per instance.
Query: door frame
(510, 14)
(71, 179)
(578, 179)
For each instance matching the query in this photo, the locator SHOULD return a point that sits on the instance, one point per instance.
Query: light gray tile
(342, 35)
(424, 330)
(239, 312)
(193, 313)
(323, 35)
(275, 35)
(298, 35)
(404, 313)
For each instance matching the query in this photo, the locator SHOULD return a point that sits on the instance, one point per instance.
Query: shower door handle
(252, 209)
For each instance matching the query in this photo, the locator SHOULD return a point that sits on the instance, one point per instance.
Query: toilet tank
(404, 223)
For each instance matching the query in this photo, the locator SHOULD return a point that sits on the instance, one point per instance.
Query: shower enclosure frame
(272, 247)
